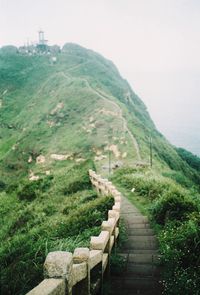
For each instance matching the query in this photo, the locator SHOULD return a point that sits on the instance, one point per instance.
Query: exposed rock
(92, 125)
(51, 123)
(91, 119)
(99, 158)
(124, 155)
(30, 159)
(114, 148)
(79, 160)
(98, 152)
(59, 106)
(33, 177)
(40, 159)
(59, 157)
(107, 112)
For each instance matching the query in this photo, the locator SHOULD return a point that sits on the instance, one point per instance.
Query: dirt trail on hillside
(125, 124)
(104, 96)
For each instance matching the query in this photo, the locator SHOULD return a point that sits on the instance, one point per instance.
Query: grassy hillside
(78, 106)
(57, 120)
(174, 211)
(57, 212)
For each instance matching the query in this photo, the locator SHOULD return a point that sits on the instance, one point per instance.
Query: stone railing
(83, 271)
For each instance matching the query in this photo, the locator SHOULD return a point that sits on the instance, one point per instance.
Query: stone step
(138, 245)
(137, 225)
(127, 207)
(138, 258)
(136, 219)
(127, 212)
(143, 286)
(140, 232)
(142, 270)
(141, 242)
(142, 239)
(143, 258)
(140, 251)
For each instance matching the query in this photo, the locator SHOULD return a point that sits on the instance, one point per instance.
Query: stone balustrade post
(57, 265)
(81, 257)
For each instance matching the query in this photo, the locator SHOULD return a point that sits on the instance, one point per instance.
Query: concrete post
(58, 264)
(82, 255)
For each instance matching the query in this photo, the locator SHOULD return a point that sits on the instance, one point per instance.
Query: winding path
(105, 98)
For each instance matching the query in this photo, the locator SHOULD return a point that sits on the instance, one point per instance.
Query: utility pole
(109, 161)
(150, 151)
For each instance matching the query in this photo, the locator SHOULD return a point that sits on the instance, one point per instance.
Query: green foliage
(173, 205)
(174, 211)
(118, 261)
(192, 160)
(180, 248)
(180, 178)
(46, 109)
(30, 190)
(2, 186)
(86, 216)
(118, 264)
(147, 185)
(50, 222)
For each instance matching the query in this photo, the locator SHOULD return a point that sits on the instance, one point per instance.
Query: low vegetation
(175, 214)
(70, 108)
(58, 212)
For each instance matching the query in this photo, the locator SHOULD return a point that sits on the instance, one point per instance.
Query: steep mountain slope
(57, 113)
(77, 107)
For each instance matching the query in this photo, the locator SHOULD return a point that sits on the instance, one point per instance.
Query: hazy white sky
(154, 43)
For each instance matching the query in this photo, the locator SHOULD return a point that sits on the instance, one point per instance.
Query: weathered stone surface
(116, 232)
(113, 214)
(117, 198)
(108, 225)
(117, 206)
(81, 255)
(95, 258)
(111, 243)
(49, 287)
(105, 261)
(100, 242)
(58, 264)
(80, 272)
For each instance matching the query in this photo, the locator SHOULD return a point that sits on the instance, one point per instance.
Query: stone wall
(83, 271)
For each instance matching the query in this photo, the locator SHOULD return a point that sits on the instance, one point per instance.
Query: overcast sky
(154, 43)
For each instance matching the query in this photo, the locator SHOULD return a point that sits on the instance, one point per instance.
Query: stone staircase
(141, 274)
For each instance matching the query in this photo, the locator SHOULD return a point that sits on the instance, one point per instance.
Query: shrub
(87, 216)
(30, 190)
(2, 186)
(77, 185)
(180, 248)
(148, 186)
(173, 205)
(118, 264)
(179, 178)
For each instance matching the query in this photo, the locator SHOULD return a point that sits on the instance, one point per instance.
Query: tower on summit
(42, 43)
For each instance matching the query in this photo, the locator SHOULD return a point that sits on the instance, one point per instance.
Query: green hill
(59, 115)
(78, 106)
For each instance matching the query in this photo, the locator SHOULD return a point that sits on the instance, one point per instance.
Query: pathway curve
(107, 99)
(142, 273)
(120, 114)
